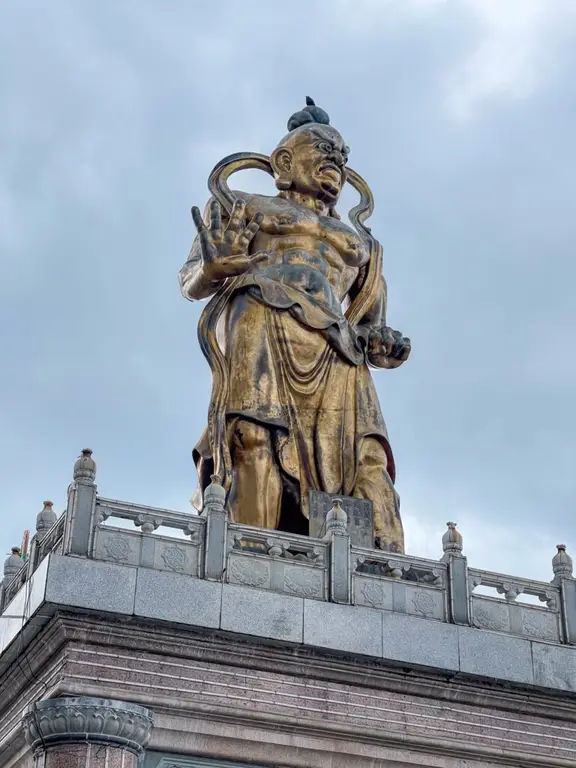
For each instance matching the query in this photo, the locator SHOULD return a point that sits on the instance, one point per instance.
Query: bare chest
(286, 226)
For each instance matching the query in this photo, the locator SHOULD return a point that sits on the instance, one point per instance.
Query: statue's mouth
(332, 172)
(331, 178)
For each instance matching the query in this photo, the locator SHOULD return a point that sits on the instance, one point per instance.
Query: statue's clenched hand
(388, 348)
(225, 251)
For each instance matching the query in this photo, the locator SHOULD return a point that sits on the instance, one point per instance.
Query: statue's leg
(374, 483)
(256, 493)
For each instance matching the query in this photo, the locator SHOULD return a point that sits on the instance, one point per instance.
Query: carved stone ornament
(424, 603)
(489, 615)
(539, 624)
(249, 572)
(103, 513)
(373, 594)
(117, 548)
(174, 558)
(303, 583)
(97, 721)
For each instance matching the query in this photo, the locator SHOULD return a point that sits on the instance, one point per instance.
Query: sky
(461, 115)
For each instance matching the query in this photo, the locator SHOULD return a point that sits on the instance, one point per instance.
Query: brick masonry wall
(224, 695)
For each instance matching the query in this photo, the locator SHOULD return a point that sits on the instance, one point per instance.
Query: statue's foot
(386, 546)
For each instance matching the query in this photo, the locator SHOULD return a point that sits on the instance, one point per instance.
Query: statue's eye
(325, 147)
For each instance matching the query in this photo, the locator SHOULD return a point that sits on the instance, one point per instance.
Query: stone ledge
(128, 654)
(403, 640)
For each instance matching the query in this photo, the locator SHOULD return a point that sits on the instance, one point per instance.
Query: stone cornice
(211, 646)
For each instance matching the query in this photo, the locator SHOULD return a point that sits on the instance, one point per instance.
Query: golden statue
(297, 315)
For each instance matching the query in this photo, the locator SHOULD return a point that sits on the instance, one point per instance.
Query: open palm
(225, 250)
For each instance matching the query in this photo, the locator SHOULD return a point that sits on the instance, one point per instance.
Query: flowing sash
(207, 326)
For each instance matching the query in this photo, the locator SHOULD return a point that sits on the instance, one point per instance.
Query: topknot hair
(310, 114)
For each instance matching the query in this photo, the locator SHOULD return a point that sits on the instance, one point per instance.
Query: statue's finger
(203, 234)
(259, 256)
(237, 215)
(249, 231)
(387, 336)
(377, 345)
(197, 219)
(401, 350)
(215, 219)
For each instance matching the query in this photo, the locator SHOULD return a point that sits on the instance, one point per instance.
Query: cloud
(514, 53)
(509, 47)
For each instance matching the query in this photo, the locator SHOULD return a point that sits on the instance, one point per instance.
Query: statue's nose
(338, 158)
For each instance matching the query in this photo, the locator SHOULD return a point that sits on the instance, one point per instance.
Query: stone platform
(192, 641)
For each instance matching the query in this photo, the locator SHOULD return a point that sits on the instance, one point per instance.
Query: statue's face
(313, 160)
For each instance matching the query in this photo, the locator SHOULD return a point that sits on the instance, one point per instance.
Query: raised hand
(225, 251)
(388, 348)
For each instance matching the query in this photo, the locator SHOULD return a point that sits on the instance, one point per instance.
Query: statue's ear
(281, 162)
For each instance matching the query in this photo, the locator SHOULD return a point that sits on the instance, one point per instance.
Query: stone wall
(217, 695)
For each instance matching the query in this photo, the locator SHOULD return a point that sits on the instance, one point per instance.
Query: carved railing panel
(163, 553)
(507, 614)
(147, 548)
(295, 565)
(399, 583)
(117, 545)
(148, 519)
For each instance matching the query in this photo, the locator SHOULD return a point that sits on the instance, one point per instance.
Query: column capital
(116, 724)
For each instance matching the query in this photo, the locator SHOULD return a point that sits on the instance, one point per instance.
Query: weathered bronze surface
(297, 315)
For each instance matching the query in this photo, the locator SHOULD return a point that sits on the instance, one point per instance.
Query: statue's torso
(307, 250)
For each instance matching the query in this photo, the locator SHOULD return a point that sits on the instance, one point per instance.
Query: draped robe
(299, 369)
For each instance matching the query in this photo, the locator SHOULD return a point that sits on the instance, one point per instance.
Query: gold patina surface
(296, 316)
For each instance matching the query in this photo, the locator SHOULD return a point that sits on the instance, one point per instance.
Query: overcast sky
(461, 115)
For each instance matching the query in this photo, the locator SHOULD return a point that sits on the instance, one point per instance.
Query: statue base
(360, 517)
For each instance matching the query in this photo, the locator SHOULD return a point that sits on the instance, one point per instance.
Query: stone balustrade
(400, 583)
(295, 565)
(147, 548)
(330, 569)
(510, 615)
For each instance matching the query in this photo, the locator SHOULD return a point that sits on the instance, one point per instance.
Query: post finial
(336, 519)
(45, 519)
(562, 564)
(214, 495)
(452, 542)
(13, 564)
(85, 467)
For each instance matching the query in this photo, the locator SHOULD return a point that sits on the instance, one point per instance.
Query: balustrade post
(12, 565)
(79, 525)
(564, 578)
(216, 530)
(458, 589)
(337, 535)
(45, 519)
